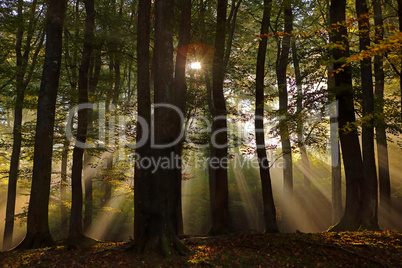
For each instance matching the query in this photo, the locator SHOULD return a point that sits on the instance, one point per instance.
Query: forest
(152, 121)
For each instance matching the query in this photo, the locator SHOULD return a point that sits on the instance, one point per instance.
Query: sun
(195, 65)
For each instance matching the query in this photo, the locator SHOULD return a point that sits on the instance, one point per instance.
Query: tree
(159, 191)
(180, 86)
(349, 140)
(281, 67)
(268, 200)
(381, 137)
(38, 234)
(369, 187)
(23, 76)
(143, 111)
(218, 174)
(75, 227)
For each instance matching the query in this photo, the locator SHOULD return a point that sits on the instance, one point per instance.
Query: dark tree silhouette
(370, 187)
(38, 234)
(381, 136)
(75, 235)
(218, 174)
(281, 67)
(144, 108)
(267, 197)
(349, 139)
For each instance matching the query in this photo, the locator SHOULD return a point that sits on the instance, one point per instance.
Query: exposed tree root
(346, 224)
(161, 245)
(81, 241)
(34, 241)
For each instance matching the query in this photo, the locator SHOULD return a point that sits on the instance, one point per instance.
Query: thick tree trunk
(21, 84)
(144, 110)
(219, 192)
(267, 197)
(38, 234)
(159, 194)
(370, 187)
(350, 144)
(181, 91)
(75, 227)
(381, 137)
(281, 67)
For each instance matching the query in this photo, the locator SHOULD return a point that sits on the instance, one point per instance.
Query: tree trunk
(350, 144)
(75, 227)
(21, 84)
(38, 234)
(159, 194)
(181, 91)
(267, 197)
(370, 187)
(219, 193)
(281, 67)
(381, 137)
(144, 110)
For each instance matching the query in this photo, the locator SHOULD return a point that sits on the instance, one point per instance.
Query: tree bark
(267, 197)
(75, 227)
(159, 194)
(38, 234)
(181, 91)
(350, 144)
(381, 137)
(144, 110)
(219, 193)
(370, 187)
(21, 84)
(281, 67)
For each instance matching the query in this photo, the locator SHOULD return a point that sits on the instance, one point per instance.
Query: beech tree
(281, 74)
(159, 192)
(143, 110)
(180, 85)
(75, 228)
(268, 200)
(381, 137)
(218, 174)
(24, 45)
(369, 187)
(349, 139)
(38, 234)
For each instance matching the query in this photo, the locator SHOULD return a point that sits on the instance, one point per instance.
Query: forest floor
(346, 249)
